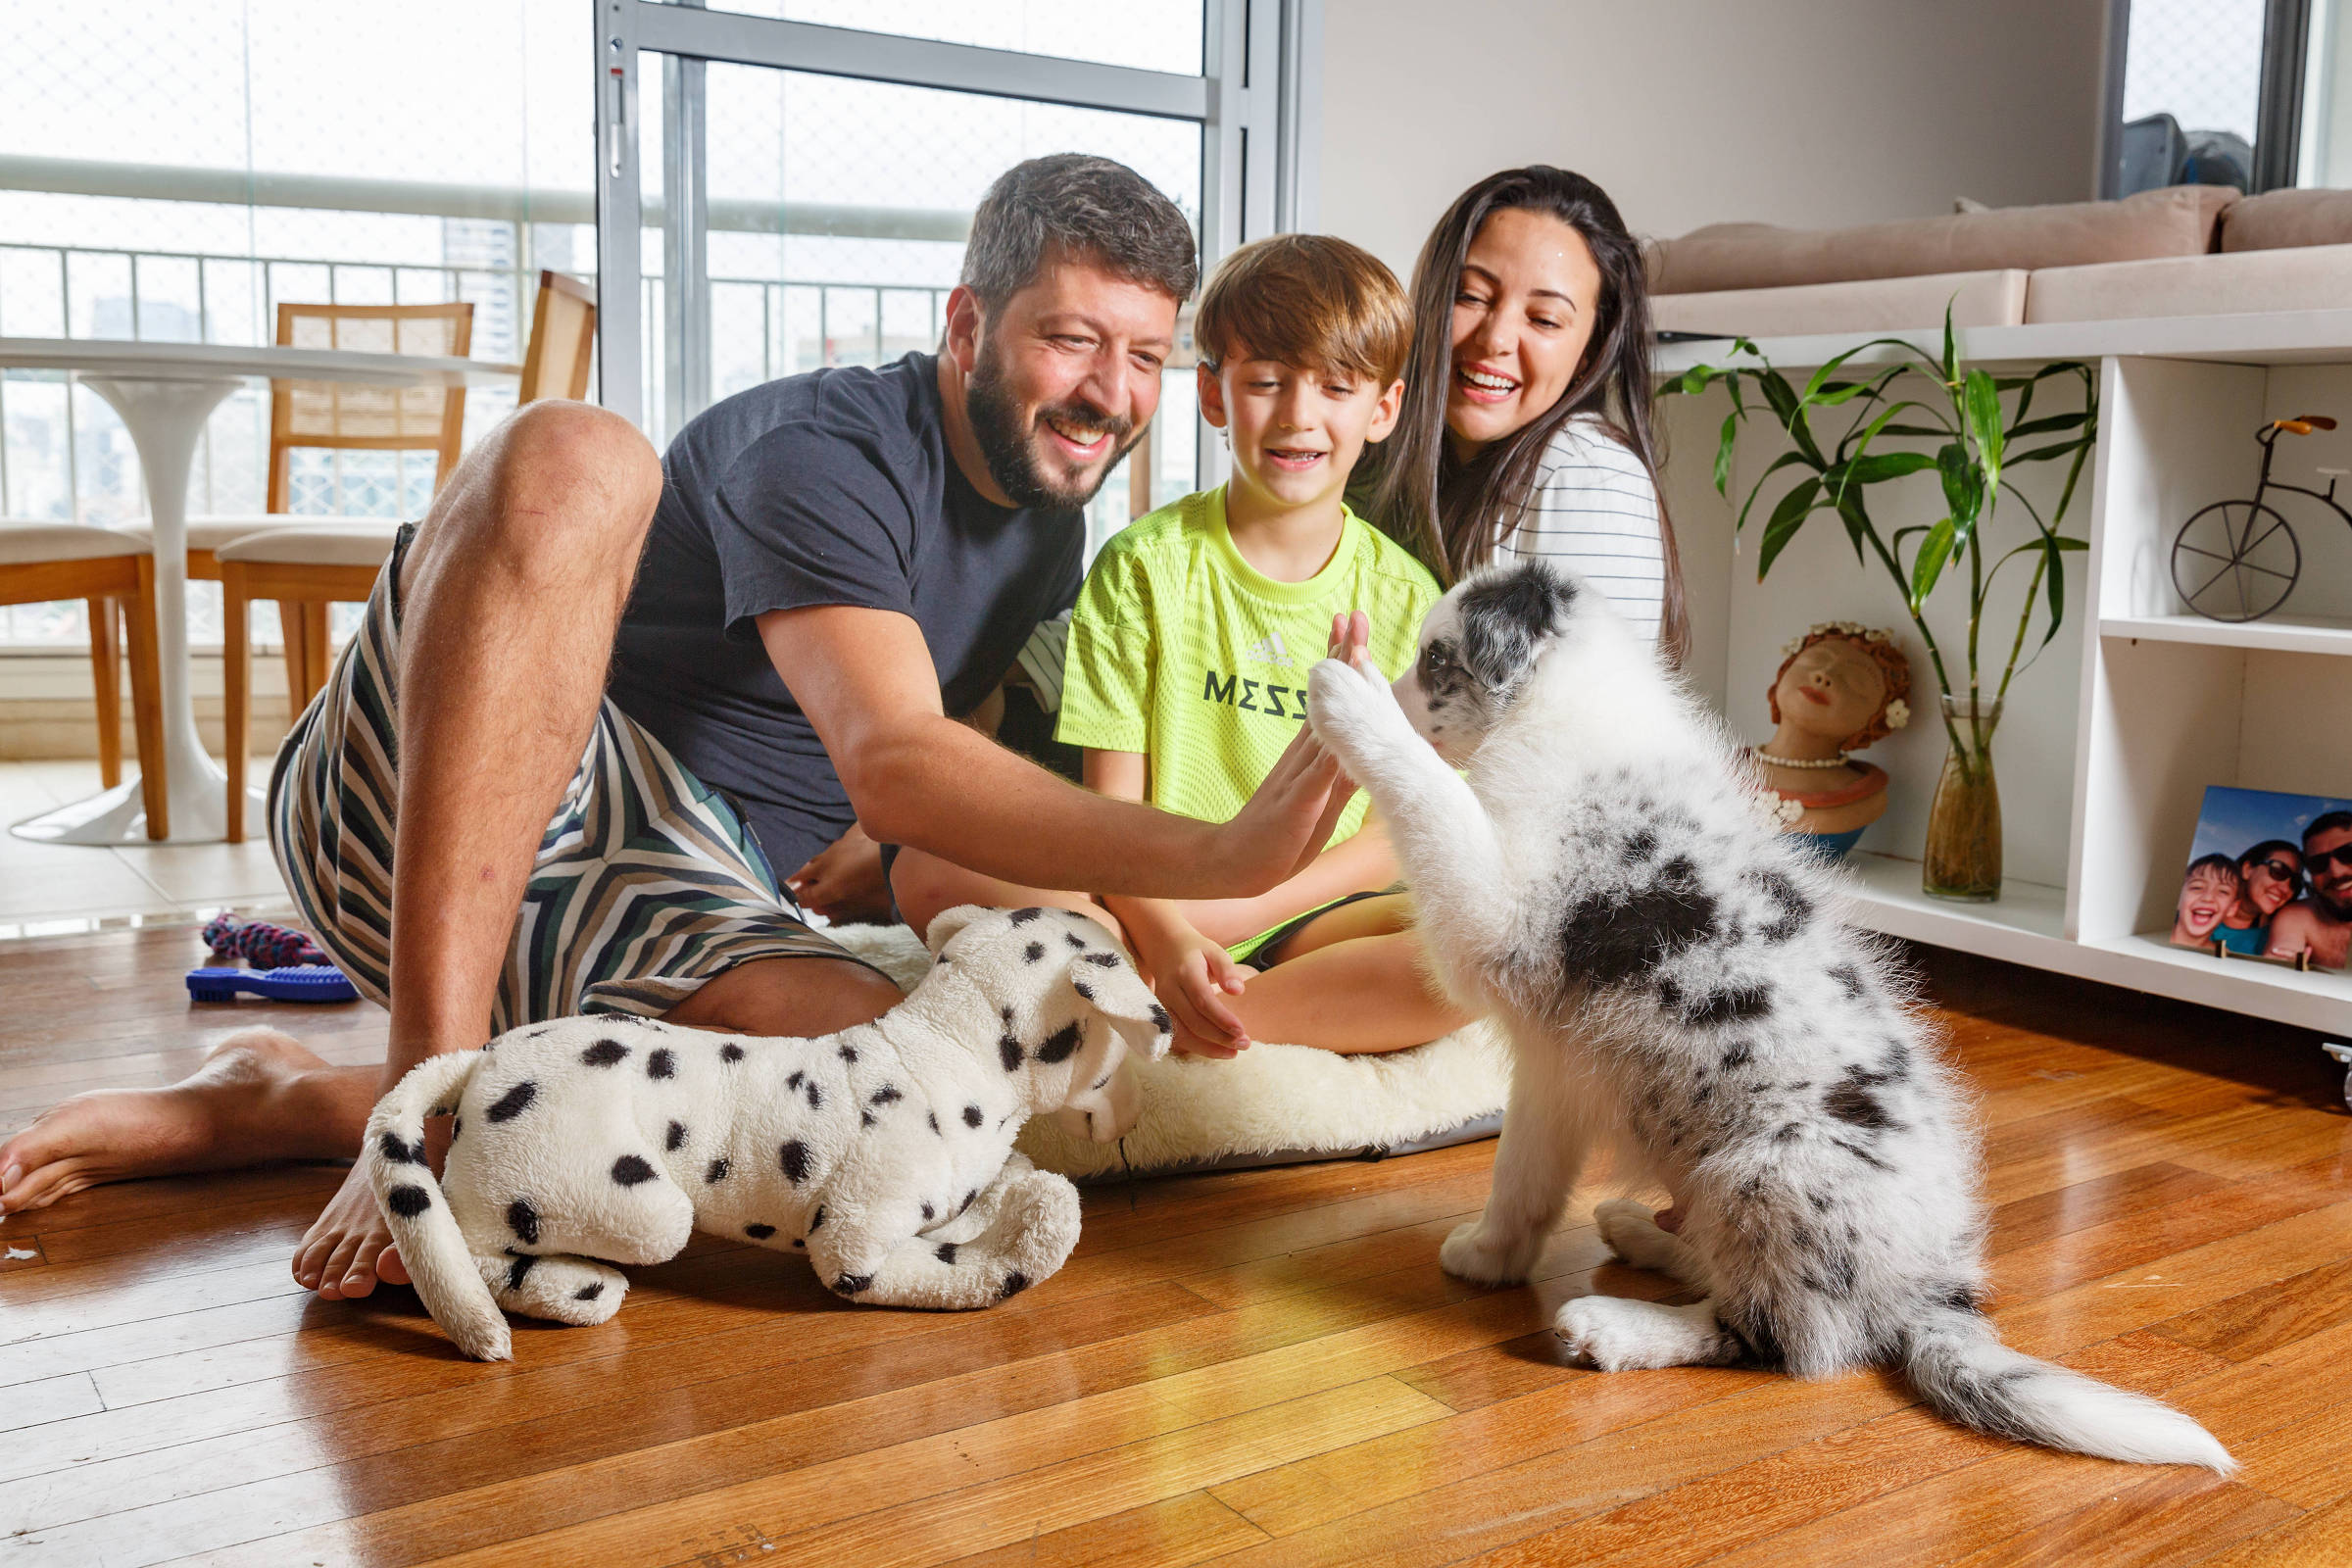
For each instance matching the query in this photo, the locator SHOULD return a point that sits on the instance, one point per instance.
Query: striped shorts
(647, 882)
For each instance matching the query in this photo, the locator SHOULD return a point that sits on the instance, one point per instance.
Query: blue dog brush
(304, 982)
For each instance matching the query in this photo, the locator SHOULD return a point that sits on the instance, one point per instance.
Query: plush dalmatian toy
(885, 1152)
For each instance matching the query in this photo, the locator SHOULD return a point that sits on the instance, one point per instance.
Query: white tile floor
(47, 887)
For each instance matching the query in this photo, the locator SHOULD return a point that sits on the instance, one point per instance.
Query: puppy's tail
(431, 1246)
(1967, 1375)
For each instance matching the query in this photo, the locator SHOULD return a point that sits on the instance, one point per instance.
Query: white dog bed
(1272, 1105)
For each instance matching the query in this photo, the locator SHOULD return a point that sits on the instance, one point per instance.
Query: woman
(2270, 878)
(1527, 427)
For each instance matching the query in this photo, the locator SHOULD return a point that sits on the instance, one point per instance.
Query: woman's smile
(1483, 383)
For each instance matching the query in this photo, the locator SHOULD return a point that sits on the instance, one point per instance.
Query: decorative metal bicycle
(2238, 560)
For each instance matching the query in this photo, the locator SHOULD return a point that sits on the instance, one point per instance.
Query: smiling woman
(1527, 428)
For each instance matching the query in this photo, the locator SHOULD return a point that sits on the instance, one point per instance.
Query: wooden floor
(1256, 1369)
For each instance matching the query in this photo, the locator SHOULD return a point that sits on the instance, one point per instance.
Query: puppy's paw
(1602, 1333)
(1473, 1252)
(1631, 1229)
(1355, 713)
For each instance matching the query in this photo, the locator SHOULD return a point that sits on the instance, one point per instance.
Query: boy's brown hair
(1308, 299)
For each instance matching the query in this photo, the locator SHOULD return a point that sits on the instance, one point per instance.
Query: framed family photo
(2269, 876)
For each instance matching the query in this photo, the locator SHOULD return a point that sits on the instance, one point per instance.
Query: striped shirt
(1594, 509)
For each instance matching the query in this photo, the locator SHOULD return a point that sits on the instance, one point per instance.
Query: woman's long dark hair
(1448, 510)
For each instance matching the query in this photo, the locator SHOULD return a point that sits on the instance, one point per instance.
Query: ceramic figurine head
(1843, 683)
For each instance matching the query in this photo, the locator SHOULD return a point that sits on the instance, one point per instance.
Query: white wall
(1692, 112)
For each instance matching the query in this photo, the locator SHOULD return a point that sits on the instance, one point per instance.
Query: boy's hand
(1351, 638)
(1194, 977)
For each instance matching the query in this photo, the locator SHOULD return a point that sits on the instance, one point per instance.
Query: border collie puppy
(1676, 977)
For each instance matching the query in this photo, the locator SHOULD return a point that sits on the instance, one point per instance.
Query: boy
(1192, 639)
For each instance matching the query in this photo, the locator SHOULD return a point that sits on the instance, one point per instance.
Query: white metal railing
(60, 291)
(802, 325)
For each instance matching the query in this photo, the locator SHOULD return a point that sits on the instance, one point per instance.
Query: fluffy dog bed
(1272, 1105)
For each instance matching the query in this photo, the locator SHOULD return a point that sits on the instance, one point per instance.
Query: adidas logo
(1268, 650)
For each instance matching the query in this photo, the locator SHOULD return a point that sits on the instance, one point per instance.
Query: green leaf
(2062, 542)
(1857, 526)
(1932, 554)
(2056, 421)
(2044, 454)
(1786, 517)
(1962, 491)
(1984, 423)
(1784, 460)
(2055, 583)
(1723, 453)
(1951, 348)
(1790, 413)
(1879, 467)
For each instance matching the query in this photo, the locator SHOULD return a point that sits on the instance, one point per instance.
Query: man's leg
(510, 593)
(510, 597)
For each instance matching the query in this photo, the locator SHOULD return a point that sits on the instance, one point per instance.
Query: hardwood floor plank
(2173, 1282)
(52, 1400)
(2316, 1540)
(1214, 1365)
(417, 1447)
(2174, 1517)
(2136, 1239)
(2269, 1317)
(1189, 1529)
(1053, 1495)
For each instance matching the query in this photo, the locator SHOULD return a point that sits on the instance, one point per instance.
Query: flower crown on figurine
(1894, 710)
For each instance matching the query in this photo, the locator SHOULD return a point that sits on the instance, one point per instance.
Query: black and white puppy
(1676, 977)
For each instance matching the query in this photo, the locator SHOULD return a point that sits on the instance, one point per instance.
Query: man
(2320, 924)
(830, 571)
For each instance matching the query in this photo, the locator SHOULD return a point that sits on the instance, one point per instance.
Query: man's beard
(1007, 446)
(2336, 901)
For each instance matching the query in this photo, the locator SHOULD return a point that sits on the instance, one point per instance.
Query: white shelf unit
(2106, 748)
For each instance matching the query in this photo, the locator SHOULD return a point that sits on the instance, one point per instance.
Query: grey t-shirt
(835, 487)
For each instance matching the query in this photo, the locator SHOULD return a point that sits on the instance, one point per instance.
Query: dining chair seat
(29, 543)
(353, 542)
(304, 569)
(41, 562)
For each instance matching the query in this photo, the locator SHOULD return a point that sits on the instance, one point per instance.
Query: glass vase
(1963, 858)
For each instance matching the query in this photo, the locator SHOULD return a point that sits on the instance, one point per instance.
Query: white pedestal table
(164, 392)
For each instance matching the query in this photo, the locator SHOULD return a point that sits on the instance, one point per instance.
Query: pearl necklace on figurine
(1763, 755)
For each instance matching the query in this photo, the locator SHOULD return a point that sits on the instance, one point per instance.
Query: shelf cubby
(2109, 742)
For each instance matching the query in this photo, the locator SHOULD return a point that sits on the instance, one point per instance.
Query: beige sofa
(2190, 250)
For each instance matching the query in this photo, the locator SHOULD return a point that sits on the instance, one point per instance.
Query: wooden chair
(347, 417)
(562, 340)
(305, 567)
(40, 562)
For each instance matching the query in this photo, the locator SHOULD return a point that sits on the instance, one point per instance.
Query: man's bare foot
(347, 1248)
(244, 1105)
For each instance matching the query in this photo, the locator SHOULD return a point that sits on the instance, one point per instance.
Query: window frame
(1258, 101)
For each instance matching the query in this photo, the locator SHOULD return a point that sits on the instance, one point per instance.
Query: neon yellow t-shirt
(1184, 651)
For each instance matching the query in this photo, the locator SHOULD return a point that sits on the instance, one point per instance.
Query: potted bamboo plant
(1970, 429)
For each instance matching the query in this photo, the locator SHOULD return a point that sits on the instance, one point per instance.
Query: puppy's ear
(947, 922)
(1102, 1102)
(1119, 994)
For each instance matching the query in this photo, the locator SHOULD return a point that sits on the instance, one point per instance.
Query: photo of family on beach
(2269, 876)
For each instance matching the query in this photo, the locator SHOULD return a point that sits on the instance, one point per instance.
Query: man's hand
(1192, 976)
